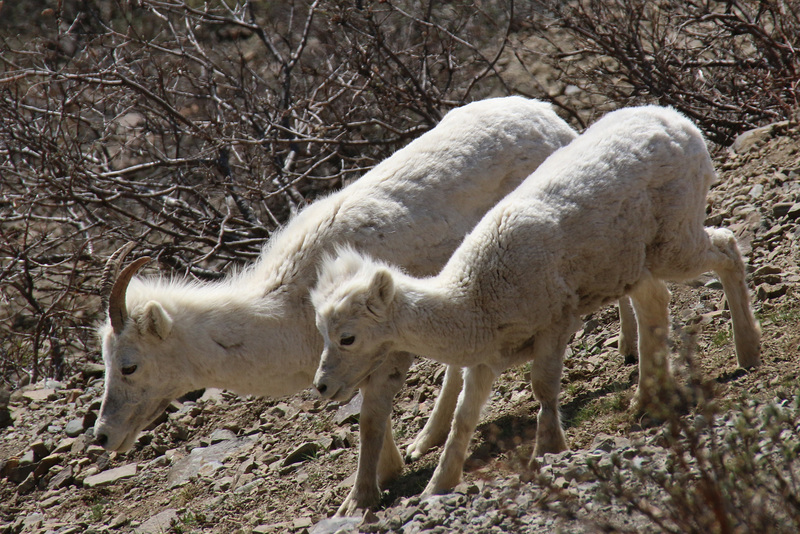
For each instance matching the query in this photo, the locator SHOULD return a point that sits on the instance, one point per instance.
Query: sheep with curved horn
(254, 332)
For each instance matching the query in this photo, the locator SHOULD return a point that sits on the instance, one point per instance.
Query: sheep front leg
(379, 459)
(725, 259)
(438, 424)
(477, 387)
(651, 302)
(546, 369)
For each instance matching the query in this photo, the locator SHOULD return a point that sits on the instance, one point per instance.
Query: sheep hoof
(436, 489)
(749, 359)
(359, 500)
(416, 450)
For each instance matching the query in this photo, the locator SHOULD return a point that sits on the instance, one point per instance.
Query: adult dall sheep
(254, 332)
(616, 212)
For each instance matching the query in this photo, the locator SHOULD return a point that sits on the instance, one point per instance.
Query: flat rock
(159, 523)
(301, 453)
(794, 211)
(62, 479)
(191, 465)
(93, 370)
(222, 434)
(38, 395)
(211, 395)
(111, 476)
(350, 412)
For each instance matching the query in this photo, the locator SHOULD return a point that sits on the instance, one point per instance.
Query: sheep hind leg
(477, 387)
(379, 459)
(546, 370)
(438, 425)
(725, 259)
(651, 303)
(628, 337)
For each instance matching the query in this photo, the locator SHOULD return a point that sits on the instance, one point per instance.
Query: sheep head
(353, 300)
(137, 389)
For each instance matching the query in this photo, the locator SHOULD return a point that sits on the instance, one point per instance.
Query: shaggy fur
(254, 332)
(615, 213)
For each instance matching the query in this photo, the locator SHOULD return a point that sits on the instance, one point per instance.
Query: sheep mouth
(345, 392)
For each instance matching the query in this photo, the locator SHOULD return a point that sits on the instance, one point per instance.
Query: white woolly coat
(413, 210)
(624, 198)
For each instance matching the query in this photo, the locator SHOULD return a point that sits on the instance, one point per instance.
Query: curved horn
(111, 270)
(117, 310)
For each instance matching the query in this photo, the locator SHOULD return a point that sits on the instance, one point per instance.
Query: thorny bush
(730, 66)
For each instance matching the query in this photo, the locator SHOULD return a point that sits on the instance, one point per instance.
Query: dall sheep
(616, 212)
(254, 332)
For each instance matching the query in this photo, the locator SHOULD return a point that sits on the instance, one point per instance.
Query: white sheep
(254, 332)
(614, 213)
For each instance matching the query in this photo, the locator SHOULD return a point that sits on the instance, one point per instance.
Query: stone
(301, 453)
(118, 521)
(39, 395)
(46, 463)
(335, 525)
(770, 291)
(273, 528)
(106, 478)
(65, 445)
(159, 523)
(794, 211)
(756, 137)
(780, 209)
(62, 479)
(74, 428)
(189, 466)
(40, 449)
(28, 458)
(220, 435)
(93, 370)
(349, 413)
(302, 522)
(89, 419)
(27, 485)
(211, 395)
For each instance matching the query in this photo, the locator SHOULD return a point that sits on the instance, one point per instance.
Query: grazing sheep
(614, 213)
(254, 332)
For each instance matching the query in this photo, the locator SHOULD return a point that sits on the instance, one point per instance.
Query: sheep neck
(248, 343)
(437, 321)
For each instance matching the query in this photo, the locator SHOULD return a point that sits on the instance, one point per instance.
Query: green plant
(721, 337)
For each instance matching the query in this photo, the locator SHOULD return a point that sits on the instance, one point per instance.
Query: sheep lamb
(254, 332)
(616, 212)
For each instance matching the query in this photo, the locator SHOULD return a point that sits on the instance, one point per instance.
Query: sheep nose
(322, 387)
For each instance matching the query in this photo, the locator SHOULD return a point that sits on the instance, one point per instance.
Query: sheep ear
(155, 320)
(381, 293)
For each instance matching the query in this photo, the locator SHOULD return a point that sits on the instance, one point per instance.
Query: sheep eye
(347, 340)
(129, 370)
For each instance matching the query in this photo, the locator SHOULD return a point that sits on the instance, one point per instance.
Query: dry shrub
(196, 129)
(730, 66)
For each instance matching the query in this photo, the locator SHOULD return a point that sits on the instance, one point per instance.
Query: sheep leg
(651, 303)
(725, 259)
(438, 425)
(379, 459)
(477, 387)
(628, 337)
(546, 369)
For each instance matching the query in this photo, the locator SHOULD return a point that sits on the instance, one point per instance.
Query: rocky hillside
(220, 463)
